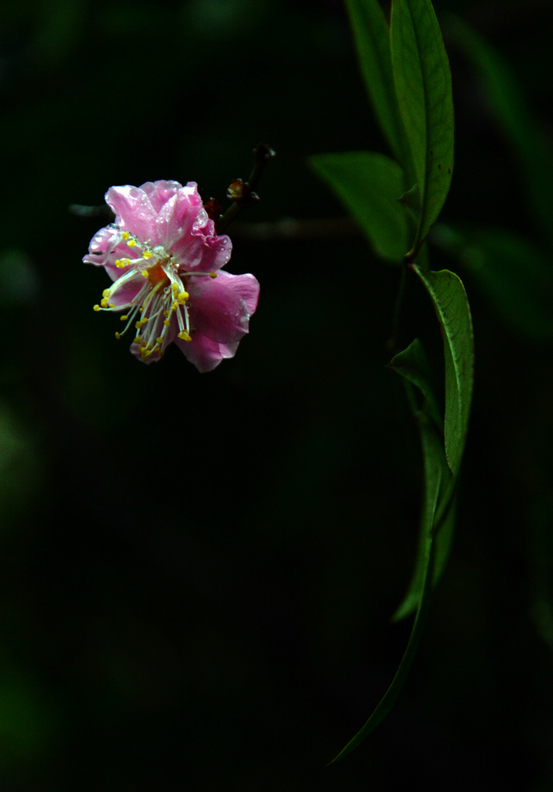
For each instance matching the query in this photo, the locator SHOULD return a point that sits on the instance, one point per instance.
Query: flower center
(155, 303)
(156, 274)
(160, 300)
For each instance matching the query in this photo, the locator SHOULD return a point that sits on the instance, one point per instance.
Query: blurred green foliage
(198, 571)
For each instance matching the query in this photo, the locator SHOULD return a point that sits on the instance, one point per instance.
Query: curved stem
(261, 154)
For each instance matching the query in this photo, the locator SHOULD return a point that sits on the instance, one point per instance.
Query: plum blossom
(165, 261)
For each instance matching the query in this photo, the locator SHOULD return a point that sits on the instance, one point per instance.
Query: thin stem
(246, 195)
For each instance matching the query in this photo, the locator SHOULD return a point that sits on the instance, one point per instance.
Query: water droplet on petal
(201, 220)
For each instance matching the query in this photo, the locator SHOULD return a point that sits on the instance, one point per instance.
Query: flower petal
(106, 247)
(101, 245)
(134, 211)
(202, 253)
(205, 353)
(160, 192)
(245, 286)
(170, 336)
(217, 309)
(185, 229)
(176, 218)
(125, 289)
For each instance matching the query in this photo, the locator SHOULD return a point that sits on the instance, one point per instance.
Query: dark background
(198, 571)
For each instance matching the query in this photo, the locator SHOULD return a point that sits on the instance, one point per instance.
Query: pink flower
(165, 262)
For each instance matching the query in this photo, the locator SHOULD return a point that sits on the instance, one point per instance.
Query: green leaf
(448, 295)
(514, 273)
(372, 39)
(443, 539)
(370, 185)
(508, 105)
(432, 450)
(412, 364)
(423, 87)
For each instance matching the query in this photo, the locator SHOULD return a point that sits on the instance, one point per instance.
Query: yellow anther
(124, 318)
(111, 305)
(167, 323)
(212, 274)
(145, 273)
(118, 336)
(174, 306)
(105, 293)
(147, 254)
(138, 339)
(159, 340)
(184, 336)
(183, 297)
(96, 308)
(125, 235)
(104, 303)
(175, 287)
(166, 314)
(131, 242)
(117, 262)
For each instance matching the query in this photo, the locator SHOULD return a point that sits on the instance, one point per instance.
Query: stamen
(129, 322)
(162, 294)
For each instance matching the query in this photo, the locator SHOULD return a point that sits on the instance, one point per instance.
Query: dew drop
(200, 221)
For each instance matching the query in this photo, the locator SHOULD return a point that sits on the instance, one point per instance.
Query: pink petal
(176, 219)
(101, 245)
(126, 293)
(153, 358)
(169, 338)
(217, 309)
(185, 229)
(205, 353)
(202, 253)
(245, 286)
(160, 192)
(134, 211)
